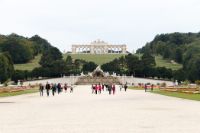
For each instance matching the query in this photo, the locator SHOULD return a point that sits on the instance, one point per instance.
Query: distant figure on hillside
(41, 89)
(48, 87)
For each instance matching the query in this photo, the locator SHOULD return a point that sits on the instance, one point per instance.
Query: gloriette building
(98, 47)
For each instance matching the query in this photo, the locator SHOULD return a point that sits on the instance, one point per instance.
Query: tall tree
(48, 57)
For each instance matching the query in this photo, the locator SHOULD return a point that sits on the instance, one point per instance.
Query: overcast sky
(131, 22)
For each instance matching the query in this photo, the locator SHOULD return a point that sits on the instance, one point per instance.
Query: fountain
(96, 77)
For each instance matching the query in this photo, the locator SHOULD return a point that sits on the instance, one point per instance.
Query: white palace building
(99, 47)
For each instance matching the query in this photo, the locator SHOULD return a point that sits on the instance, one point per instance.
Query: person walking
(41, 89)
(96, 89)
(99, 88)
(110, 89)
(48, 87)
(71, 89)
(145, 87)
(152, 87)
(93, 89)
(59, 88)
(113, 89)
(125, 87)
(53, 89)
(65, 87)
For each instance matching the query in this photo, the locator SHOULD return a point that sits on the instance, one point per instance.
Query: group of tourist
(54, 88)
(111, 88)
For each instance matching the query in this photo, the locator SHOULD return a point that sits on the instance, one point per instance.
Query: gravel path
(83, 112)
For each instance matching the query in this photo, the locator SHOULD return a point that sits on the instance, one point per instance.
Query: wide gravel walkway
(83, 112)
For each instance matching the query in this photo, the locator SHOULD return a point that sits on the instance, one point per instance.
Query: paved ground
(82, 112)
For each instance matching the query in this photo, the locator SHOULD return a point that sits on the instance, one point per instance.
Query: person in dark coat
(48, 87)
(59, 88)
(125, 87)
(110, 89)
(41, 89)
(96, 89)
(53, 89)
(145, 87)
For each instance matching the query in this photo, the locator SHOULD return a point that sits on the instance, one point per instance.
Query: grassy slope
(160, 62)
(29, 66)
(98, 59)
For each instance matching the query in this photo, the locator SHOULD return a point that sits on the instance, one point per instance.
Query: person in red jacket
(99, 88)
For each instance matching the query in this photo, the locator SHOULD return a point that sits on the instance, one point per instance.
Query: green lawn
(29, 66)
(160, 62)
(135, 88)
(178, 95)
(7, 94)
(97, 58)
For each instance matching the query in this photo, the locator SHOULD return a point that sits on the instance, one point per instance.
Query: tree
(148, 59)
(69, 60)
(89, 67)
(48, 57)
(20, 53)
(179, 55)
(6, 67)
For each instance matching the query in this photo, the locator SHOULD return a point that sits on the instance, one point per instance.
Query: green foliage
(50, 56)
(23, 49)
(40, 45)
(181, 47)
(6, 67)
(19, 53)
(69, 60)
(20, 75)
(89, 67)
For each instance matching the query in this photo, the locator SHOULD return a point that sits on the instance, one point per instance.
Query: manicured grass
(97, 58)
(178, 95)
(160, 62)
(29, 66)
(135, 88)
(7, 94)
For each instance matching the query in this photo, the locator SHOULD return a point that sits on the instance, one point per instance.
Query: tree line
(183, 48)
